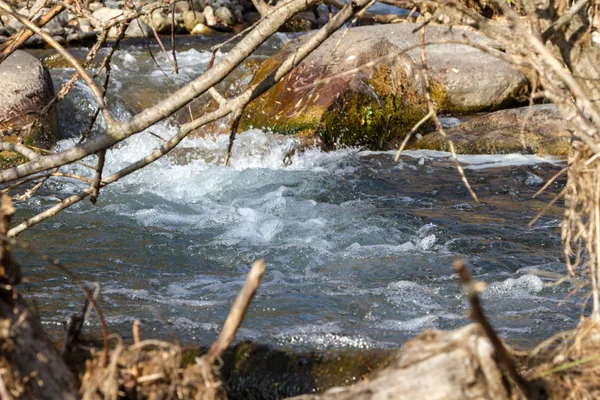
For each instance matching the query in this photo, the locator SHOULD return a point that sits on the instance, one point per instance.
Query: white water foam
(475, 161)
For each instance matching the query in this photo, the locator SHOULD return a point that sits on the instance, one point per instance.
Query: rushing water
(358, 248)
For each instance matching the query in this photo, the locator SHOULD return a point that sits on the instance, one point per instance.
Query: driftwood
(453, 365)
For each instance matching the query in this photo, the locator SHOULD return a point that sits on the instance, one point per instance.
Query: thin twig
(549, 182)
(560, 22)
(19, 148)
(98, 177)
(477, 315)
(412, 131)
(173, 52)
(237, 312)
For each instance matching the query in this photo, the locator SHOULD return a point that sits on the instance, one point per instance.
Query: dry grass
(568, 364)
(150, 369)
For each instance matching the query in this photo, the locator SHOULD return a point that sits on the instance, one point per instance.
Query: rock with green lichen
(540, 130)
(362, 87)
(254, 371)
(26, 89)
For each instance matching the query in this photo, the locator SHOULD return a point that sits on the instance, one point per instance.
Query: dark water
(359, 249)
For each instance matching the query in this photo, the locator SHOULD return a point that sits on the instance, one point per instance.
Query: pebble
(68, 28)
(209, 16)
(202, 30)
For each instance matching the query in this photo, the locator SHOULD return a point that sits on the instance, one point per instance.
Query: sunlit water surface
(358, 248)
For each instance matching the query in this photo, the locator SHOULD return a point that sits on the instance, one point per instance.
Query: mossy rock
(253, 371)
(539, 130)
(363, 87)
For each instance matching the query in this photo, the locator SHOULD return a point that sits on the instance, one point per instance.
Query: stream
(358, 248)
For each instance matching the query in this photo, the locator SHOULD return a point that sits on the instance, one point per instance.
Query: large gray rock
(436, 365)
(541, 130)
(26, 88)
(335, 92)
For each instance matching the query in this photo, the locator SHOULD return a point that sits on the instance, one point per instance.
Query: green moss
(347, 367)
(439, 96)
(9, 159)
(362, 120)
(375, 114)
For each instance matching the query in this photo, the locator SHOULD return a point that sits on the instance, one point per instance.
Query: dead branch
(238, 310)
(18, 148)
(117, 132)
(472, 289)
(369, 17)
(96, 183)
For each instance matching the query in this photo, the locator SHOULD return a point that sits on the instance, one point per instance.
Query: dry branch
(472, 289)
(238, 310)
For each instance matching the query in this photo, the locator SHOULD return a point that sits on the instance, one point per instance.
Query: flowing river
(358, 249)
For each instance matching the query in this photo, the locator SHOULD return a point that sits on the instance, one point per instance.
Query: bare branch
(566, 17)
(98, 177)
(472, 289)
(233, 104)
(238, 310)
(19, 148)
(120, 131)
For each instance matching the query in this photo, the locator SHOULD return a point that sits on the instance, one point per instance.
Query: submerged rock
(253, 371)
(26, 88)
(436, 365)
(540, 130)
(362, 87)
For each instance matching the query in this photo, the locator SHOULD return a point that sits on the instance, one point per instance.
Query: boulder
(104, 14)
(182, 6)
(160, 21)
(191, 19)
(81, 38)
(363, 88)
(34, 41)
(209, 16)
(202, 30)
(225, 16)
(540, 130)
(26, 88)
(138, 28)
